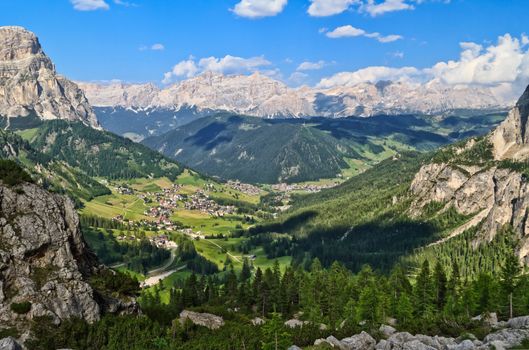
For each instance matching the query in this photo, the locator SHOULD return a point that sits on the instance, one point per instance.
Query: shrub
(21, 308)
(12, 174)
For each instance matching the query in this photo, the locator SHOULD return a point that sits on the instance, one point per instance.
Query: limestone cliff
(29, 84)
(45, 264)
(483, 179)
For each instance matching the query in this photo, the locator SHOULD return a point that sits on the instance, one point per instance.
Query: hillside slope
(292, 150)
(412, 208)
(73, 158)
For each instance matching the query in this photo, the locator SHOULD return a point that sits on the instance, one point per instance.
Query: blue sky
(141, 40)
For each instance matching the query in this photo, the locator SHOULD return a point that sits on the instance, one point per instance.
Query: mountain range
(261, 96)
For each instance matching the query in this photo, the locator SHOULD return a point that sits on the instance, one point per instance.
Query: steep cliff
(45, 265)
(30, 86)
(485, 178)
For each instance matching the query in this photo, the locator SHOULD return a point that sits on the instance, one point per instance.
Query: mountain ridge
(261, 96)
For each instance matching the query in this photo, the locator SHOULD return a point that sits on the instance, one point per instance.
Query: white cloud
(322, 8)
(125, 3)
(345, 31)
(158, 47)
(502, 63)
(232, 65)
(369, 74)
(183, 69)
(226, 65)
(89, 5)
(503, 66)
(153, 47)
(376, 9)
(349, 31)
(298, 78)
(397, 54)
(311, 65)
(259, 8)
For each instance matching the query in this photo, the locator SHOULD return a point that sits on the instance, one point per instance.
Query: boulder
(508, 337)
(519, 322)
(386, 330)
(466, 344)
(202, 319)
(400, 338)
(416, 344)
(383, 345)
(359, 341)
(335, 343)
(490, 319)
(294, 347)
(9, 343)
(293, 323)
(257, 321)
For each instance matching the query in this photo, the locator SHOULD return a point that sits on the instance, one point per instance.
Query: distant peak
(17, 43)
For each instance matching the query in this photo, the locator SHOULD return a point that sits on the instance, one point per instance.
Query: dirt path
(236, 258)
(151, 281)
(162, 269)
(471, 223)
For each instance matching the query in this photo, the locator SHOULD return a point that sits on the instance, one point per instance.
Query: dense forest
(100, 153)
(432, 302)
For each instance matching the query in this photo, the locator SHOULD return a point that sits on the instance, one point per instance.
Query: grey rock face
(494, 197)
(202, 319)
(519, 322)
(44, 260)
(9, 343)
(508, 337)
(360, 341)
(29, 83)
(386, 330)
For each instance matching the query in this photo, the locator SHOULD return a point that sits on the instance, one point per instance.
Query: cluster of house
(125, 190)
(201, 201)
(312, 188)
(127, 238)
(189, 232)
(162, 241)
(245, 188)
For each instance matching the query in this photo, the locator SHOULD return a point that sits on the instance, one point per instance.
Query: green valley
(238, 147)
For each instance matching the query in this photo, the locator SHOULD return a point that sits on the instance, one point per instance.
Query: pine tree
(275, 336)
(509, 278)
(440, 284)
(246, 272)
(424, 292)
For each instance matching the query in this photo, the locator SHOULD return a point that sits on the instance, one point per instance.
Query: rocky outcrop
(513, 333)
(510, 140)
(202, 319)
(45, 264)
(9, 343)
(494, 194)
(30, 86)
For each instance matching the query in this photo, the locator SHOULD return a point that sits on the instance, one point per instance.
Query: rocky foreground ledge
(45, 264)
(505, 336)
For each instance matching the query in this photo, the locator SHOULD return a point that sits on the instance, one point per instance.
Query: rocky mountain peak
(30, 86)
(510, 140)
(17, 43)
